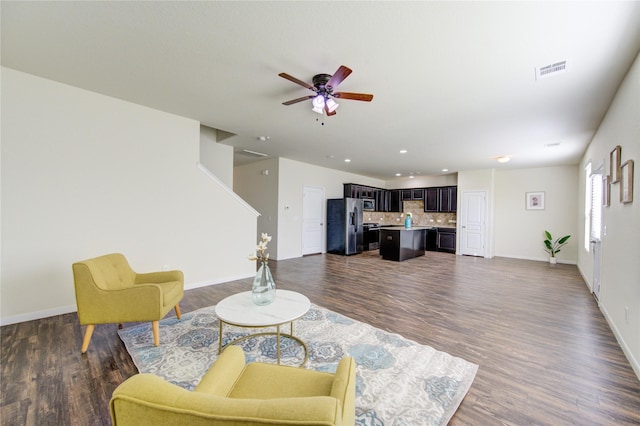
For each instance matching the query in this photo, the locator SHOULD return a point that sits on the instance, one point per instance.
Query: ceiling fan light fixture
(324, 86)
(318, 104)
(331, 105)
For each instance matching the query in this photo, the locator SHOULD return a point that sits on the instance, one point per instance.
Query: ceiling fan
(323, 86)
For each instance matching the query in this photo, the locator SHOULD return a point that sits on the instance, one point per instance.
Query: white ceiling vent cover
(551, 70)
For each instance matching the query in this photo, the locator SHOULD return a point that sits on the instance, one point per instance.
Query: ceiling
(453, 82)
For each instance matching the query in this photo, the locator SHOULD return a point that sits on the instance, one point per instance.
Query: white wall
(257, 183)
(290, 177)
(518, 232)
(620, 272)
(216, 157)
(84, 174)
(293, 176)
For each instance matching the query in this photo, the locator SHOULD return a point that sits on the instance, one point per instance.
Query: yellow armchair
(108, 291)
(232, 393)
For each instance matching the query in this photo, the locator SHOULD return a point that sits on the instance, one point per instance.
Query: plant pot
(553, 260)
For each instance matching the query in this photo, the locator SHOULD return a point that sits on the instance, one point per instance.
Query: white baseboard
(30, 316)
(586, 280)
(627, 352)
(219, 281)
(537, 259)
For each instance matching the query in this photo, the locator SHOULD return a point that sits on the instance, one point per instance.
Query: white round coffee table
(239, 310)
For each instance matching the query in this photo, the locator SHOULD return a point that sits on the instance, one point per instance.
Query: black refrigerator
(344, 226)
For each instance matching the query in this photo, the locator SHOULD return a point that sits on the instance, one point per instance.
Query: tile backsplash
(420, 217)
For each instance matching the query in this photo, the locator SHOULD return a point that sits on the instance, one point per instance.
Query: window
(592, 206)
(596, 206)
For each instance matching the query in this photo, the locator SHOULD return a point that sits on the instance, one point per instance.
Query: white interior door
(312, 219)
(472, 226)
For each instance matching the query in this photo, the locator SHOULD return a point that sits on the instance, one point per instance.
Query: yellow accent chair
(235, 393)
(108, 291)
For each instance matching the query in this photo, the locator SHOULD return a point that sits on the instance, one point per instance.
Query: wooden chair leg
(178, 311)
(87, 337)
(156, 332)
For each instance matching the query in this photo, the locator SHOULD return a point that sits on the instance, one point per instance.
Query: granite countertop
(419, 226)
(402, 228)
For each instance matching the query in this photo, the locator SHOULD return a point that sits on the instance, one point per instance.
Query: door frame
(596, 177)
(322, 220)
(462, 229)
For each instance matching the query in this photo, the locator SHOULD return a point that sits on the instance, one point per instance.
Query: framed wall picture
(534, 200)
(614, 164)
(606, 191)
(626, 188)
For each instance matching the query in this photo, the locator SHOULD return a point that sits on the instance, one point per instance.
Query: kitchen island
(399, 243)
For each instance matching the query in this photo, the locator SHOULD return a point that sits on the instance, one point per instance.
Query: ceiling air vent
(551, 70)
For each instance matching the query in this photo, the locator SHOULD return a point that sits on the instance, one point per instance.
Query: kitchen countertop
(402, 228)
(418, 226)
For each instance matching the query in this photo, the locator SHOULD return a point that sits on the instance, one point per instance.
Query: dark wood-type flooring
(546, 354)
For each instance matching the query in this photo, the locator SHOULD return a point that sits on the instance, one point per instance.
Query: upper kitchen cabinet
(448, 198)
(383, 200)
(412, 194)
(449, 202)
(395, 201)
(352, 190)
(431, 199)
(436, 200)
(442, 199)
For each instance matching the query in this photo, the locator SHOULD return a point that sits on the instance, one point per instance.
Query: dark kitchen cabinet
(432, 239)
(395, 201)
(446, 240)
(351, 190)
(444, 196)
(431, 199)
(358, 191)
(448, 196)
(437, 199)
(412, 194)
(441, 199)
(401, 244)
(453, 199)
(383, 200)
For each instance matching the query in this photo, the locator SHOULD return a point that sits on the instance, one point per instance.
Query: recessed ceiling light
(347, 160)
(264, 138)
(398, 174)
(503, 159)
(411, 177)
(403, 151)
(445, 170)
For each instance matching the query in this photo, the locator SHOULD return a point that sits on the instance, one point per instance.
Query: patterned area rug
(399, 382)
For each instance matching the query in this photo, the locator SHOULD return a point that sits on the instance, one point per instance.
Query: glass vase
(264, 287)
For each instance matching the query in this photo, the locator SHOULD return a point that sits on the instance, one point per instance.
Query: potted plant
(553, 246)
